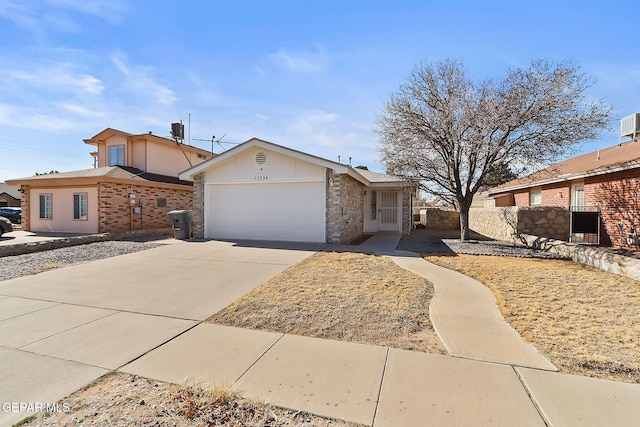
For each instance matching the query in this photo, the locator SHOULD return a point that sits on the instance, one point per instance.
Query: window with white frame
(535, 197)
(46, 206)
(116, 155)
(80, 206)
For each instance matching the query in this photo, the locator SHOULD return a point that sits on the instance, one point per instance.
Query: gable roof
(11, 190)
(617, 158)
(366, 177)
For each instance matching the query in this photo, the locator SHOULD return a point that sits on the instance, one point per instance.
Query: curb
(31, 247)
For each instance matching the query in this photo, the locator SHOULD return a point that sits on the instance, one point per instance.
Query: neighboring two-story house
(134, 186)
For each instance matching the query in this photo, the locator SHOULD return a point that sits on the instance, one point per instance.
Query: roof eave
(189, 174)
(571, 177)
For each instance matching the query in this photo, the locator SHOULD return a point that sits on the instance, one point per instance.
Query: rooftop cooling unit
(177, 131)
(630, 125)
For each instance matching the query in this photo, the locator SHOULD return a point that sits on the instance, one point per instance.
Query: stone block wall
(117, 212)
(509, 223)
(440, 218)
(587, 255)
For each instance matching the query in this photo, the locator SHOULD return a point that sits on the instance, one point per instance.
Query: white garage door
(266, 211)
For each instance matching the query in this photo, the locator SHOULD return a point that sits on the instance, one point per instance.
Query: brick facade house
(263, 191)
(134, 186)
(605, 182)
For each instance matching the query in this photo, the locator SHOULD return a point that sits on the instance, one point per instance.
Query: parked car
(5, 226)
(12, 214)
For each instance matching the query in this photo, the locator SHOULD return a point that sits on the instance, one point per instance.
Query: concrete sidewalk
(465, 315)
(379, 386)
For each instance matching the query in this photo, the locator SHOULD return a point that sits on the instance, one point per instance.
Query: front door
(388, 211)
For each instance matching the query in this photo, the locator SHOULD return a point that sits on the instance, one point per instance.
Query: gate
(585, 225)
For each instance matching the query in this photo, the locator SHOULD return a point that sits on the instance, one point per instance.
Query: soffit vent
(261, 158)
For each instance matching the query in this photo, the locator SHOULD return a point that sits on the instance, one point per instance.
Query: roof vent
(261, 158)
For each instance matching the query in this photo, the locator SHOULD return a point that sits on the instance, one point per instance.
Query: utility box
(181, 223)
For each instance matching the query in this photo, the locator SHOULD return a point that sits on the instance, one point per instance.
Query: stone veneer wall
(198, 206)
(587, 255)
(407, 211)
(509, 223)
(345, 208)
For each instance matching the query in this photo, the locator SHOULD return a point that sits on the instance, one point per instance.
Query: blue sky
(311, 75)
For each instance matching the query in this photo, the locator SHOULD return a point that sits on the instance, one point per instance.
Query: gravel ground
(444, 242)
(23, 265)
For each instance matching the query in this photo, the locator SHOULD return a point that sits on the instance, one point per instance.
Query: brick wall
(24, 204)
(556, 195)
(618, 197)
(117, 212)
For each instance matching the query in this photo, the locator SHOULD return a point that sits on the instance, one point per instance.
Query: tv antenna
(218, 141)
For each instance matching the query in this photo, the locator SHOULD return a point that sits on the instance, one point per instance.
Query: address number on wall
(262, 178)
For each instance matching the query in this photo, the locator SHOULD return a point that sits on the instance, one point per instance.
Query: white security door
(388, 210)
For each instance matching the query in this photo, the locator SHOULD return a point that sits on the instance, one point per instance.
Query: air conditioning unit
(630, 125)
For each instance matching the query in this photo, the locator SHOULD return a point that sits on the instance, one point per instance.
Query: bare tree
(445, 131)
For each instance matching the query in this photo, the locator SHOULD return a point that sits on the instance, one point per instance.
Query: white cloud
(58, 76)
(13, 116)
(140, 80)
(79, 110)
(21, 15)
(301, 62)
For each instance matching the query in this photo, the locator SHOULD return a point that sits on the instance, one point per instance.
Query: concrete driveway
(63, 328)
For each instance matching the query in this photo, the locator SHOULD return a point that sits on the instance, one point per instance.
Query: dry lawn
(124, 400)
(342, 296)
(584, 320)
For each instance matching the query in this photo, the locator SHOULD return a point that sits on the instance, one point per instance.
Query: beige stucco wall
(62, 210)
(151, 154)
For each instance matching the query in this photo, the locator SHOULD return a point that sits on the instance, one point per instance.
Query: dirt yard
(342, 296)
(130, 401)
(584, 320)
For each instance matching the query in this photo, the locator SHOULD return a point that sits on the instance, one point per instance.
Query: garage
(289, 211)
(259, 190)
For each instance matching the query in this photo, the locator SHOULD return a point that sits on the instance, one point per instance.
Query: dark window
(161, 202)
(46, 202)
